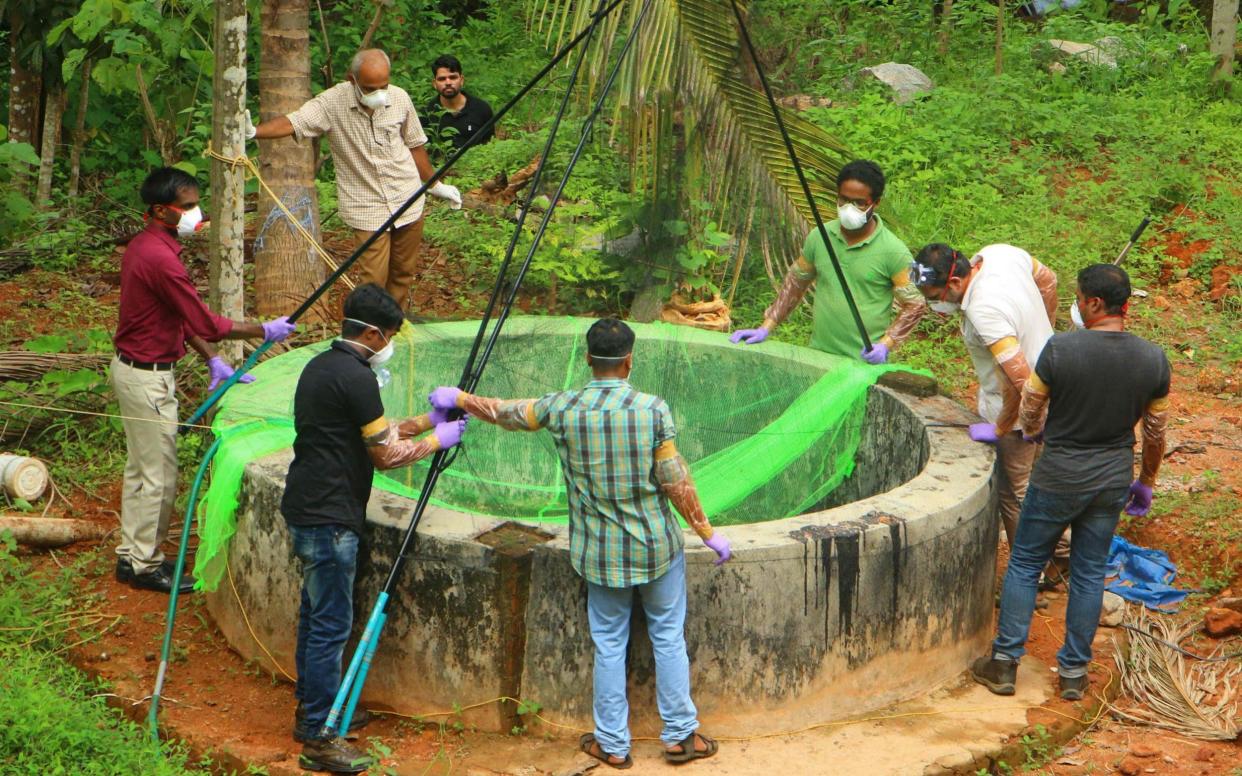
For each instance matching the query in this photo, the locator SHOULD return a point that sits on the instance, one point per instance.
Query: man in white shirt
(1008, 302)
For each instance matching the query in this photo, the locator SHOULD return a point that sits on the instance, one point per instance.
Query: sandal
(591, 748)
(688, 752)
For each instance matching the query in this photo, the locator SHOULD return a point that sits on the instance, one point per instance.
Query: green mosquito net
(769, 430)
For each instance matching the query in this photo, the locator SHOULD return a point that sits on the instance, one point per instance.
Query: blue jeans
(1093, 515)
(609, 610)
(329, 555)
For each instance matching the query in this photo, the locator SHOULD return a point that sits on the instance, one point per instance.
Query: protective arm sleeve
(1011, 362)
(511, 415)
(800, 277)
(674, 478)
(910, 309)
(389, 451)
(1033, 410)
(1046, 282)
(1155, 420)
(412, 427)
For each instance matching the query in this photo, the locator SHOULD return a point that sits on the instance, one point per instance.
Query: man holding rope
(378, 147)
(160, 314)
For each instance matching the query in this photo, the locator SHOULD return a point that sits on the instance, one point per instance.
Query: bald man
(378, 147)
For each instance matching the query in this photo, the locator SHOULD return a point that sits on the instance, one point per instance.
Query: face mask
(189, 222)
(378, 357)
(373, 100)
(851, 217)
(945, 308)
(1076, 316)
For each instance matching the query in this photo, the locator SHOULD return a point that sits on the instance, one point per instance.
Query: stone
(1092, 54)
(906, 81)
(1113, 611)
(1144, 751)
(1056, 68)
(1204, 754)
(1233, 604)
(1130, 767)
(1222, 623)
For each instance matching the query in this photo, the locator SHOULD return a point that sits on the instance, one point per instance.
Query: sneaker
(334, 755)
(1073, 687)
(361, 719)
(996, 675)
(160, 580)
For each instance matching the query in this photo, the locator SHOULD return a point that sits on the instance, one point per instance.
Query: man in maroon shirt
(161, 312)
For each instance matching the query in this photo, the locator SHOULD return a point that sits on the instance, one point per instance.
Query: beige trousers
(1016, 459)
(392, 260)
(150, 483)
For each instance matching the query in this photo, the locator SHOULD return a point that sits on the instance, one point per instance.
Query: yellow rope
(253, 635)
(50, 408)
(253, 170)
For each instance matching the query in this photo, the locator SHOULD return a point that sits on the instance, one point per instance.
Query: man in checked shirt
(622, 470)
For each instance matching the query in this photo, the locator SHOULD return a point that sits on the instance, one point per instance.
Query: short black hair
(371, 304)
(942, 260)
(1108, 282)
(865, 172)
(609, 338)
(163, 185)
(446, 60)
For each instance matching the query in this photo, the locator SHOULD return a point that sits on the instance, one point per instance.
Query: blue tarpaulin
(1144, 575)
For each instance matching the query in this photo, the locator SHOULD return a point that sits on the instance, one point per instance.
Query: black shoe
(334, 755)
(361, 719)
(160, 580)
(1073, 687)
(124, 571)
(996, 675)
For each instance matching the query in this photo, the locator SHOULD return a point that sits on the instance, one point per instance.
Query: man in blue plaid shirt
(623, 476)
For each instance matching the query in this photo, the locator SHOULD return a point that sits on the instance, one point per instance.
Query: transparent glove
(719, 544)
(445, 191)
(877, 355)
(219, 371)
(251, 131)
(749, 336)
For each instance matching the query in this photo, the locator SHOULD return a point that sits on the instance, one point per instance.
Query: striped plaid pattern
(375, 173)
(622, 530)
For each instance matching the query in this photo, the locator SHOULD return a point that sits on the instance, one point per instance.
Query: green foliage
(17, 163)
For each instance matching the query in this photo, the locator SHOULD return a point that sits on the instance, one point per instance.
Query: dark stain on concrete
(847, 576)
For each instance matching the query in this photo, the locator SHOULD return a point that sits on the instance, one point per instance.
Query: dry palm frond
(1171, 691)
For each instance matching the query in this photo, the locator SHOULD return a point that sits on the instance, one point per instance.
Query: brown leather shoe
(996, 675)
(334, 755)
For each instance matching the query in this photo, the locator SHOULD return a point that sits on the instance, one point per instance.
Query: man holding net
(876, 265)
(623, 475)
(342, 438)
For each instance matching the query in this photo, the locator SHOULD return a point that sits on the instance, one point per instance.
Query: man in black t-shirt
(453, 116)
(1094, 385)
(342, 437)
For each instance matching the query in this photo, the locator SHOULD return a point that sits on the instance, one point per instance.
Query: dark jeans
(1093, 515)
(329, 555)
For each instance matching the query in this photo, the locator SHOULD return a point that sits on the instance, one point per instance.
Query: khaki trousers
(150, 483)
(392, 260)
(1016, 458)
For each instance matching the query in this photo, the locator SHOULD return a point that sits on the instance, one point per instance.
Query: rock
(804, 101)
(1113, 610)
(1056, 68)
(1233, 604)
(149, 657)
(1064, 50)
(906, 81)
(1130, 767)
(1204, 754)
(1144, 751)
(1222, 623)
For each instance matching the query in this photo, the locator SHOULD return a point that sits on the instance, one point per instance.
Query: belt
(158, 366)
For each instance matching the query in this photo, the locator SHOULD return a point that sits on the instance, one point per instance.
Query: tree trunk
(53, 116)
(1224, 39)
(946, 26)
(228, 226)
(24, 88)
(79, 131)
(286, 268)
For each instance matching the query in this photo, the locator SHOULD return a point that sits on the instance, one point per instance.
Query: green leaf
(187, 167)
(54, 36)
(73, 61)
(94, 16)
(19, 152)
(73, 382)
(51, 343)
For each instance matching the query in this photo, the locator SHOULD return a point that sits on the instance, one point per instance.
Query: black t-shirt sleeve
(1044, 367)
(362, 399)
(1166, 376)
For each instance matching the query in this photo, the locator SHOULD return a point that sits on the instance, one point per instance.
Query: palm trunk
(79, 131)
(286, 268)
(1224, 39)
(228, 228)
(53, 116)
(24, 88)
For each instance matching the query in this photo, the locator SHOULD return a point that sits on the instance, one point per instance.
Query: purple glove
(1140, 499)
(438, 416)
(220, 371)
(277, 330)
(449, 434)
(720, 545)
(749, 336)
(1038, 439)
(877, 355)
(444, 397)
(984, 432)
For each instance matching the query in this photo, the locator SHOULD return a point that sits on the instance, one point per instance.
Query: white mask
(189, 222)
(1076, 316)
(945, 308)
(373, 100)
(851, 217)
(378, 357)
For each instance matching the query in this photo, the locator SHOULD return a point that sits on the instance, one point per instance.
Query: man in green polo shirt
(876, 264)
